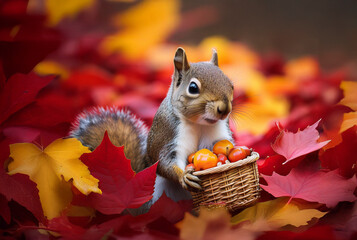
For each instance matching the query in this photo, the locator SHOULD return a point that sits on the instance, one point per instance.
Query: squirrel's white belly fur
(190, 138)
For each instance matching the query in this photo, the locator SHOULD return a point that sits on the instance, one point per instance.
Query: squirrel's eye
(193, 89)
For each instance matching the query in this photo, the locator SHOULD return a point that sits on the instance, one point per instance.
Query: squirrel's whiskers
(240, 112)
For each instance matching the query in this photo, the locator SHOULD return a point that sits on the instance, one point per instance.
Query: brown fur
(216, 90)
(123, 129)
(161, 135)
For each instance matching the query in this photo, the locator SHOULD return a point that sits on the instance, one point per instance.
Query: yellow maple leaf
(143, 26)
(277, 213)
(51, 67)
(52, 169)
(350, 99)
(80, 211)
(59, 9)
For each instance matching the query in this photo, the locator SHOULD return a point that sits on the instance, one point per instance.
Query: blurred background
(293, 65)
(287, 59)
(326, 29)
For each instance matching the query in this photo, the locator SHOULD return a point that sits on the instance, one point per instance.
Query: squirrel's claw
(191, 181)
(193, 177)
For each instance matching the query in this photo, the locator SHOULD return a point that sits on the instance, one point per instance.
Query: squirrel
(193, 115)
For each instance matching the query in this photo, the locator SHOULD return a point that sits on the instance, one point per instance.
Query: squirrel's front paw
(190, 181)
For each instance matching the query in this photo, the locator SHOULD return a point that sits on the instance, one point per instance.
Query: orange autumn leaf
(142, 27)
(51, 169)
(194, 227)
(212, 224)
(277, 213)
(333, 135)
(230, 53)
(281, 85)
(349, 120)
(302, 68)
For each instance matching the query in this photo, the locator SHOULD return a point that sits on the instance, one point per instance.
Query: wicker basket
(233, 185)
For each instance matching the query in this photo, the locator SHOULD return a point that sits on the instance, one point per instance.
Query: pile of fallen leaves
(58, 58)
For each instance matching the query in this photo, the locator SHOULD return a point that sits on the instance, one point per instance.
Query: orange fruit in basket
(222, 147)
(247, 150)
(190, 157)
(204, 159)
(237, 153)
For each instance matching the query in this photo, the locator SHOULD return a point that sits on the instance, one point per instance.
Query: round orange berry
(204, 159)
(222, 147)
(237, 153)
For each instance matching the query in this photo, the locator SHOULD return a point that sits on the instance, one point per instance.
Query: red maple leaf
(24, 39)
(162, 216)
(19, 91)
(166, 208)
(68, 230)
(42, 136)
(22, 190)
(4, 209)
(343, 156)
(328, 188)
(316, 233)
(89, 78)
(113, 229)
(121, 187)
(344, 220)
(42, 114)
(276, 164)
(293, 145)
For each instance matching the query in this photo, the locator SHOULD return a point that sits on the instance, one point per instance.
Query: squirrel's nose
(223, 109)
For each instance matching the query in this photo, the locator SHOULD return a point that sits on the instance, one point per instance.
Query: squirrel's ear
(180, 60)
(214, 59)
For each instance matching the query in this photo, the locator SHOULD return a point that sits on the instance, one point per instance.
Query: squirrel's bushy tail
(123, 128)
